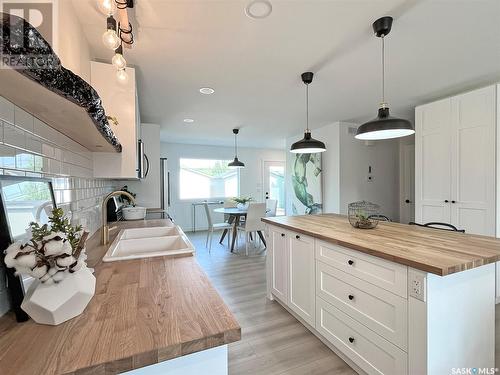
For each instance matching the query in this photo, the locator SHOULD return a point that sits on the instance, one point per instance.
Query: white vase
(56, 303)
(242, 206)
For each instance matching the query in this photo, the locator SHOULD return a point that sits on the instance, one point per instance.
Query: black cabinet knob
(282, 234)
(408, 201)
(351, 297)
(297, 237)
(453, 202)
(446, 201)
(351, 339)
(350, 262)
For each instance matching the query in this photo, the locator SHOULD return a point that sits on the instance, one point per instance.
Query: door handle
(408, 201)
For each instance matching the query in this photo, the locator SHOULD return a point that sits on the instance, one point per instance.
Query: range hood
(42, 86)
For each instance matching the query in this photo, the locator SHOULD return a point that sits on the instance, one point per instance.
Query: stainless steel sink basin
(148, 242)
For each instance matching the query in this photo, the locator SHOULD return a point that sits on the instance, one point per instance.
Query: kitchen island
(145, 312)
(396, 299)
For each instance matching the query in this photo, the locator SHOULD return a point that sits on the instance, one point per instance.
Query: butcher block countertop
(144, 311)
(430, 250)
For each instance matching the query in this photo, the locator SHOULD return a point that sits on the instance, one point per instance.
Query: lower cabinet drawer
(376, 308)
(369, 351)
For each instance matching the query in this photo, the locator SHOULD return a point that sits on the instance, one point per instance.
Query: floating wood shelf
(52, 93)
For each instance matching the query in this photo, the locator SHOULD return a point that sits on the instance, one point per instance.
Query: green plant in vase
(242, 202)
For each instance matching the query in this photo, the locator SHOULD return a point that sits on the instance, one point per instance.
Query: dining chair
(271, 206)
(440, 226)
(213, 227)
(253, 223)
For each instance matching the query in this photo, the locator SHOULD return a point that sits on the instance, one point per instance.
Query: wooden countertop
(144, 311)
(430, 250)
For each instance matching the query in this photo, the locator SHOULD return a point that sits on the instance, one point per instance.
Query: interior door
(274, 184)
(407, 184)
(433, 162)
(473, 161)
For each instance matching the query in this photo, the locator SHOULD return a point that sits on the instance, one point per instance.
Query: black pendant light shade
(384, 126)
(236, 163)
(307, 145)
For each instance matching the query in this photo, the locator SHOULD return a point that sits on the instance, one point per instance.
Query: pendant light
(384, 126)
(118, 60)
(307, 145)
(236, 163)
(110, 38)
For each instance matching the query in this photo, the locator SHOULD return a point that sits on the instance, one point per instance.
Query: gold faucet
(104, 213)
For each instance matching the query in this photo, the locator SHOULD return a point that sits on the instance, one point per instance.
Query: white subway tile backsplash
(7, 110)
(14, 136)
(23, 119)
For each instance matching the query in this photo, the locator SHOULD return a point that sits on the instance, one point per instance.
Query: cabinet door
(433, 162)
(278, 257)
(301, 269)
(473, 161)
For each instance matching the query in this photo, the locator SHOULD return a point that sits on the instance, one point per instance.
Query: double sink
(138, 243)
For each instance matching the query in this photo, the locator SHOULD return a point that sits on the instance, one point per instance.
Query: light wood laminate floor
(273, 341)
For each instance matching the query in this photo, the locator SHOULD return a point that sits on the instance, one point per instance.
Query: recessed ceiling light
(258, 9)
(188, 120)
(207, 90)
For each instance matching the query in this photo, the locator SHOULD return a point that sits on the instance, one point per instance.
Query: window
(204, 179)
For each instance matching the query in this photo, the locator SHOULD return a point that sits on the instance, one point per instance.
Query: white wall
(251, 177)
(72, 45)
(356, 158)
(345, 166)
(148, 189)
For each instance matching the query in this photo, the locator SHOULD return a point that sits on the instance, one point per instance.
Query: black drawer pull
(350, 262)
(351, 297)
(351, 339)
(297, 237)
(453, 202)
(282, 234)
(446, 201)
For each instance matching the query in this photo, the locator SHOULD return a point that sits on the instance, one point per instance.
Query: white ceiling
(436, 48)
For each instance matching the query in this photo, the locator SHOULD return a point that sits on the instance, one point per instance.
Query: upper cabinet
(120, 102)
(455, 167)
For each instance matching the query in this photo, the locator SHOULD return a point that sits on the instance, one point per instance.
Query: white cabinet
(301, 294)
(119, 101)
(278, 258)
(455, 161)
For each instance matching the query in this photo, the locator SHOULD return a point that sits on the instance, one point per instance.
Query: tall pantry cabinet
(455, 161)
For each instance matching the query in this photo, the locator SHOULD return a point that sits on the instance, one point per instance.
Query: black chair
(379, 218)
(440, 226)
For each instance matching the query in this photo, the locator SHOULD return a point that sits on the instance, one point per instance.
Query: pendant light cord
(383, 73)
(235, 146)
(307, 108)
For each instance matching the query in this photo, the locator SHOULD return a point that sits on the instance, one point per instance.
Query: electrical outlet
(416, 285)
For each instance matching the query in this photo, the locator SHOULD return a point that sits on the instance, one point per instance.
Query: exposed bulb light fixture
(107, 7)
(236, 163)
(110, 38)
(384, 126)
(118, 60)
(122, 76)
(307, 145)
(207, 90)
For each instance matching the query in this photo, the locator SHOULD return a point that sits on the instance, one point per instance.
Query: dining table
(235, 214)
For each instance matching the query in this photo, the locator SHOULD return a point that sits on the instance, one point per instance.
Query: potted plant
(242, 202)
(53, 254)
